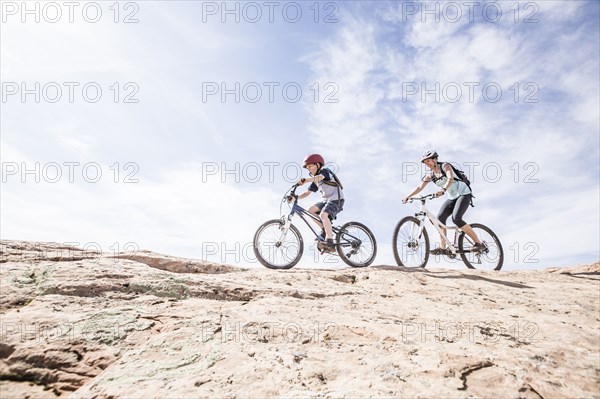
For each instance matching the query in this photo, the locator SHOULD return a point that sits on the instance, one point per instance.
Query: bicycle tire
(359, 241)
(268, 233)
(411, 248)
(494, 256)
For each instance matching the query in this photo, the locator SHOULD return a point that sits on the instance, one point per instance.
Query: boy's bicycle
(279, 245)
(411, 242)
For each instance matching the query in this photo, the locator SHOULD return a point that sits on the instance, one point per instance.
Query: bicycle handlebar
(291, 194)
(423, 198)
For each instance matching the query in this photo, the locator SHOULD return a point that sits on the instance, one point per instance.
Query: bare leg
(469, 231)
(442, 238)
(327, 225)
(315, 211)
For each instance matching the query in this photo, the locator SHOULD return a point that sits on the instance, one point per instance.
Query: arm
(305, 194)
(417, 190)
(449, 176)
(314, 179)
(312, 188)
(300, 196)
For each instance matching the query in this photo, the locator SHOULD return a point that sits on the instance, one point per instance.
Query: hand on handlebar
(291, 198)
(426, 197)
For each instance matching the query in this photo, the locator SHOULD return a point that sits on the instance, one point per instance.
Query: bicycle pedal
(324, 248)
(480, 249)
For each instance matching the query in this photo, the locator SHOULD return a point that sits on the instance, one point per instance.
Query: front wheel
(276, 248)
(356, 244)
(411, 243)
(490, 258)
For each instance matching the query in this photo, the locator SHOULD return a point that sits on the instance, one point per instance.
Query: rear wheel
(490, 258)
(356, 244)
(275, 250)
(411, 243)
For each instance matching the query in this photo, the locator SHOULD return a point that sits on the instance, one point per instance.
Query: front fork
(286, 221)
(421, 217)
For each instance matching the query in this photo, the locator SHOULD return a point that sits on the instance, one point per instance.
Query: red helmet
(313, 158)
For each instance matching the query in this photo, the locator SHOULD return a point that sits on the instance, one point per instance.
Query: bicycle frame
(439, 226)
(302, 213)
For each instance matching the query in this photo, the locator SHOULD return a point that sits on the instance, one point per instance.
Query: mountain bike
(411, 241)
(279, 245)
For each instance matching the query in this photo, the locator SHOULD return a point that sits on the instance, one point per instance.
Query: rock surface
(88, 325)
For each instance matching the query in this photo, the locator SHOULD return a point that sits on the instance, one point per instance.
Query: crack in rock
(464, 373)
(178, 265)
(529, 388)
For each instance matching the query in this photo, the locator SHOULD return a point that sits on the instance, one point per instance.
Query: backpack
(460, 176)
(336, 183)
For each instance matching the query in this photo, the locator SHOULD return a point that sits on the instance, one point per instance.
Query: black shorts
(455, 207)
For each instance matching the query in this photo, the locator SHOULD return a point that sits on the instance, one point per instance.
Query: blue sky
(534, 148)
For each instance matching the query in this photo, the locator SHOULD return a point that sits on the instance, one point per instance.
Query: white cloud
(552, 11)
(428, 30)
(9, 153)
(528, 141)
(80, 145)
(491, 48)
(175, 212)
(352, 123)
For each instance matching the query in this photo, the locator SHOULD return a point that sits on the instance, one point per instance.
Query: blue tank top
(456, 189)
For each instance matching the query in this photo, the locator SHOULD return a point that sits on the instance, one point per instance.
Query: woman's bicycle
(411, 242)
(279, 245)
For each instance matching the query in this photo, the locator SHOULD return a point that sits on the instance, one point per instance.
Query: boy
(323, 180)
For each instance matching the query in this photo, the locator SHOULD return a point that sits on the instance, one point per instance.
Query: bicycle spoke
(491, 259)
(276, 250)
(411, 244)
(411, 248)
(365, 248)
(356, 245)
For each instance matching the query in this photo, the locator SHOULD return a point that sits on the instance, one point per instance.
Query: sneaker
(480, 248)
(326, 246)
(440, 251)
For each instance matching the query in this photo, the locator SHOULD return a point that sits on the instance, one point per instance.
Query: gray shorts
(332, 207)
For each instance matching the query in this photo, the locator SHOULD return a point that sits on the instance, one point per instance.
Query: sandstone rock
(81, 324)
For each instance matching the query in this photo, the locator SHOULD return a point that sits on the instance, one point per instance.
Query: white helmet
(429, 154)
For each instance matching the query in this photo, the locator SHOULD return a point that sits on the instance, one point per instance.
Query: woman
(459, 198)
